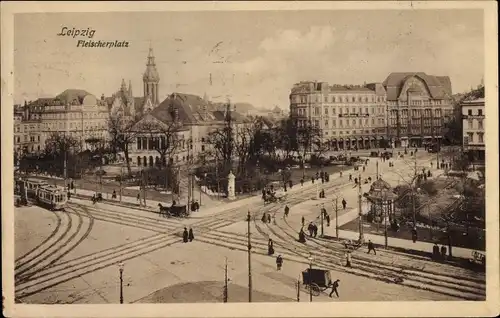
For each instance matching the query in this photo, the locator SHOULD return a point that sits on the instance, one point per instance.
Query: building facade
(473, 128)
(348, 116)
(190, 118)
(419, 106)
(74, 112)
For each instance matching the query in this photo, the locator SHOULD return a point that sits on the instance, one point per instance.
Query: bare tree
(122, 134)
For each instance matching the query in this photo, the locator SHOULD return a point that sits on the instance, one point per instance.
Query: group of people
(187, 236)
(439, 254)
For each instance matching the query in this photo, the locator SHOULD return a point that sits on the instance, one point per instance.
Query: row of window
(479, 112)
(417, 103)
(338, 99)
(341, 111)
(470, 124)
(17, 139)
(480, 137)
(75, 115)
(418, 113)
(348, 122)
(347, 133)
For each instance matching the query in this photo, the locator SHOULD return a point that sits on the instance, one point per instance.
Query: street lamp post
(249, 261)
(120, 266)
(322, 218)
(311, 259)
(361, 236)
(337, 217)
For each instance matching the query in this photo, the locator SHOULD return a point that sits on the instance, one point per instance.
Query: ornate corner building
(407, 109)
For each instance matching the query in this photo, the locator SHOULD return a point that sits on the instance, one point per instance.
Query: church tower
(151, 80)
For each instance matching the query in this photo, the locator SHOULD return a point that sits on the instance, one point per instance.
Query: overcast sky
(264, 52)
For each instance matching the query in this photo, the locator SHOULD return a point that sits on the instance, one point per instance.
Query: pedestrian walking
(312, 180)
(315, 230)
(190, 235)
(69, 195)
(138, 197)
(310, 228)
(435, 252)
(287, 210)
(303, 221)
(270, 247)
(264, 219)
(302, 182)
(269, 218)
(279, 262)
(443, 252)
(350, 177)
(113, 196)
(335, 287)
(348, 259)
(328, 220)
(72, 185)
(414, 234)
(341, 174)
(302, 236)
(185, 235)
(371, 247)
(344, 203)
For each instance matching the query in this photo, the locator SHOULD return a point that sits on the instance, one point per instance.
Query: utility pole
(309, 278)
(298, 289)
(376, 162)
(225, 283)
(120, 266)
(121, 186)
(413, 192)
(361, 236)
(337, 218)
(249, 261)
(322, 227)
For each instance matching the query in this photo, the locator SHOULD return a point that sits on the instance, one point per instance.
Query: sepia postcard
(250, 159)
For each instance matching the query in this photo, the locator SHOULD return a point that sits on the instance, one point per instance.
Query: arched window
(151, 161)
(138, 160)
(145, 161)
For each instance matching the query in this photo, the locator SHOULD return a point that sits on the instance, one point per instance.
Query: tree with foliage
(122, 134)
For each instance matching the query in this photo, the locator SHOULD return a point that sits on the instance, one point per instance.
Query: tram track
(20, 259)
(443, 283)
(27, 265)
(67, 250)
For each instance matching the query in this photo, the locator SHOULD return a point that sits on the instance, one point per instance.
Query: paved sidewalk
(405, 244)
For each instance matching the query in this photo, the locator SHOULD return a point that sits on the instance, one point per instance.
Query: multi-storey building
(190, 118)
(473, 128)
(75, 113)
(419, 106)
(348, 116)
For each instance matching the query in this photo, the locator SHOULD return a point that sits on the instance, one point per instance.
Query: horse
(164, 210)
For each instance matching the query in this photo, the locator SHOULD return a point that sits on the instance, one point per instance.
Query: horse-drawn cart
(316, 280)
(177, 210)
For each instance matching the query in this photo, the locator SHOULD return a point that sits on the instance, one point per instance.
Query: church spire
(151, 57)
(124, 86)
(151, 79)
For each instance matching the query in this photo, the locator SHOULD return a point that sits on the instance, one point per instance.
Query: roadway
(76, 262)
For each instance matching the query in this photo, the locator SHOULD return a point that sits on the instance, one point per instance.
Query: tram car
(30, 186)
(52, 197)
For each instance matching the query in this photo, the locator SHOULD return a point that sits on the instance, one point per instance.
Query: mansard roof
(438, 86)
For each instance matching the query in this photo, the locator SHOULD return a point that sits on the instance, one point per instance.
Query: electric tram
(53, 197)
(50, 196)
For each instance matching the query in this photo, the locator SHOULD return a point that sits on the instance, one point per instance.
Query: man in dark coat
(327, 220)
(315, 230)
(443, 252)
(287, 210)
(302, 182)
(335, 285)
(310, 228)
(302, 236)
(279, 262)
(414, 234)
(185, 235)
(269, 218)
(435, 252)
(371, 247)
(264, 218)
(312, 180)
(303, 221)
(190, 235)
(270, 247)
(344, 203)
